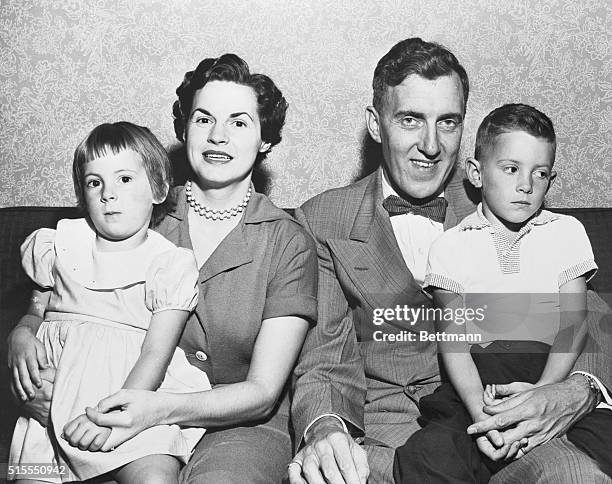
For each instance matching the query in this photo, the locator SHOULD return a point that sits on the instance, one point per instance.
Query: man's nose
(430, 144)
(217, 134)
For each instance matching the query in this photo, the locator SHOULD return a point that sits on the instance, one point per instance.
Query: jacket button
(200, 355)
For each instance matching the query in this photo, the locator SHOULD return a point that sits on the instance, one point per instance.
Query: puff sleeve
(38, 257)
(172, 281)
(292, 290)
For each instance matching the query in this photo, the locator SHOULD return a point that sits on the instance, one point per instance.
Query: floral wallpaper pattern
(68, 65)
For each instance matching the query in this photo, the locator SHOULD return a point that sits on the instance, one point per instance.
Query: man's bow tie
(433, 209)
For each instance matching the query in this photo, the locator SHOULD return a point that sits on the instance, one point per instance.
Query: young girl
(114, 297)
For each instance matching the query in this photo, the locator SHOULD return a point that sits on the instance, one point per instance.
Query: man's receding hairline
(459, 86)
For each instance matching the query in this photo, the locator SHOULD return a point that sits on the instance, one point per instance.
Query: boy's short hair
(513, 117)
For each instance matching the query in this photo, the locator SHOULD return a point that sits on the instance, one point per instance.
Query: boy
(537, 263)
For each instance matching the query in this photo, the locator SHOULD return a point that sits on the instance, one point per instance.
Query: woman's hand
(38, 408)
(127, 412)
(26, 357)
(84, 434)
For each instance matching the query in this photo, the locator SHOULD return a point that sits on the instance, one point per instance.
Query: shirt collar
(477, 220)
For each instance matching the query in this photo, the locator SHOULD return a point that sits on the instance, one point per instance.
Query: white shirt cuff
(322, 416)
(606, 401)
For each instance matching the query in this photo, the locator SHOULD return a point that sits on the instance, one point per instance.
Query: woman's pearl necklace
(215, 214)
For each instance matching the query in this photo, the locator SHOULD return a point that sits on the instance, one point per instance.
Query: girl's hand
(84, 434)
(26, 357)
(127, 412)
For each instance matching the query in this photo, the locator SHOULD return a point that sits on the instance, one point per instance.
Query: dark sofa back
(16, 223)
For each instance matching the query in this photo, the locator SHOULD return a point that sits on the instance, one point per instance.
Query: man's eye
(126, 179)
(409, 122)
(92, 183)
(448, 124)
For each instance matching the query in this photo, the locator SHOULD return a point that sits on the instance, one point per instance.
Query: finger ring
(294, 463)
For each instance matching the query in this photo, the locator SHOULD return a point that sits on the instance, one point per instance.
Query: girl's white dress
(96, 320)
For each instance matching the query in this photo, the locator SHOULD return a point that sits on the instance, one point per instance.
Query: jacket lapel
(371, 256)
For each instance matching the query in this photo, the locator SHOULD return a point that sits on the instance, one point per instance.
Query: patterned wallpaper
(68, 65)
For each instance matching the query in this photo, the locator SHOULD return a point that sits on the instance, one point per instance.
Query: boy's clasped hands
(492, 443)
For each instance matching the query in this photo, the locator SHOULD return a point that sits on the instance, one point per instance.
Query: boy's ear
(551, 179)
(162, 199)
(473, 171)
(371, 119)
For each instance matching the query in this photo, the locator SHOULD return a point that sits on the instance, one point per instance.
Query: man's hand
(330, 456)
(84, 434)
(38, 408)
(538, 414)
(26, 356)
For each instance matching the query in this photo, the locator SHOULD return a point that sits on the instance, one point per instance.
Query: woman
(258, 285)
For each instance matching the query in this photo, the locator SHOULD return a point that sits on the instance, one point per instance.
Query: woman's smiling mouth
(216, 156)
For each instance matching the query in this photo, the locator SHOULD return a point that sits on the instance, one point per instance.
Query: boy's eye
(510, 169)
(541, 175)
(126, 179)
(239, 123)
(92, 183)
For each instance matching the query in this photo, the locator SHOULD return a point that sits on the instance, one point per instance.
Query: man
(356, 377)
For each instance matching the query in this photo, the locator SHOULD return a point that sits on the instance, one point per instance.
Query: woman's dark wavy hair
(416, 56)
(271, 105)
(113, 138)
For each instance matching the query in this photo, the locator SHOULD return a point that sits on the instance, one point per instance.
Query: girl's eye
(92, 183)
(126, 179)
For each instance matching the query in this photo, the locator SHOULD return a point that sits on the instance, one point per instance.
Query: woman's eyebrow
(203, 111)
(236, 115)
